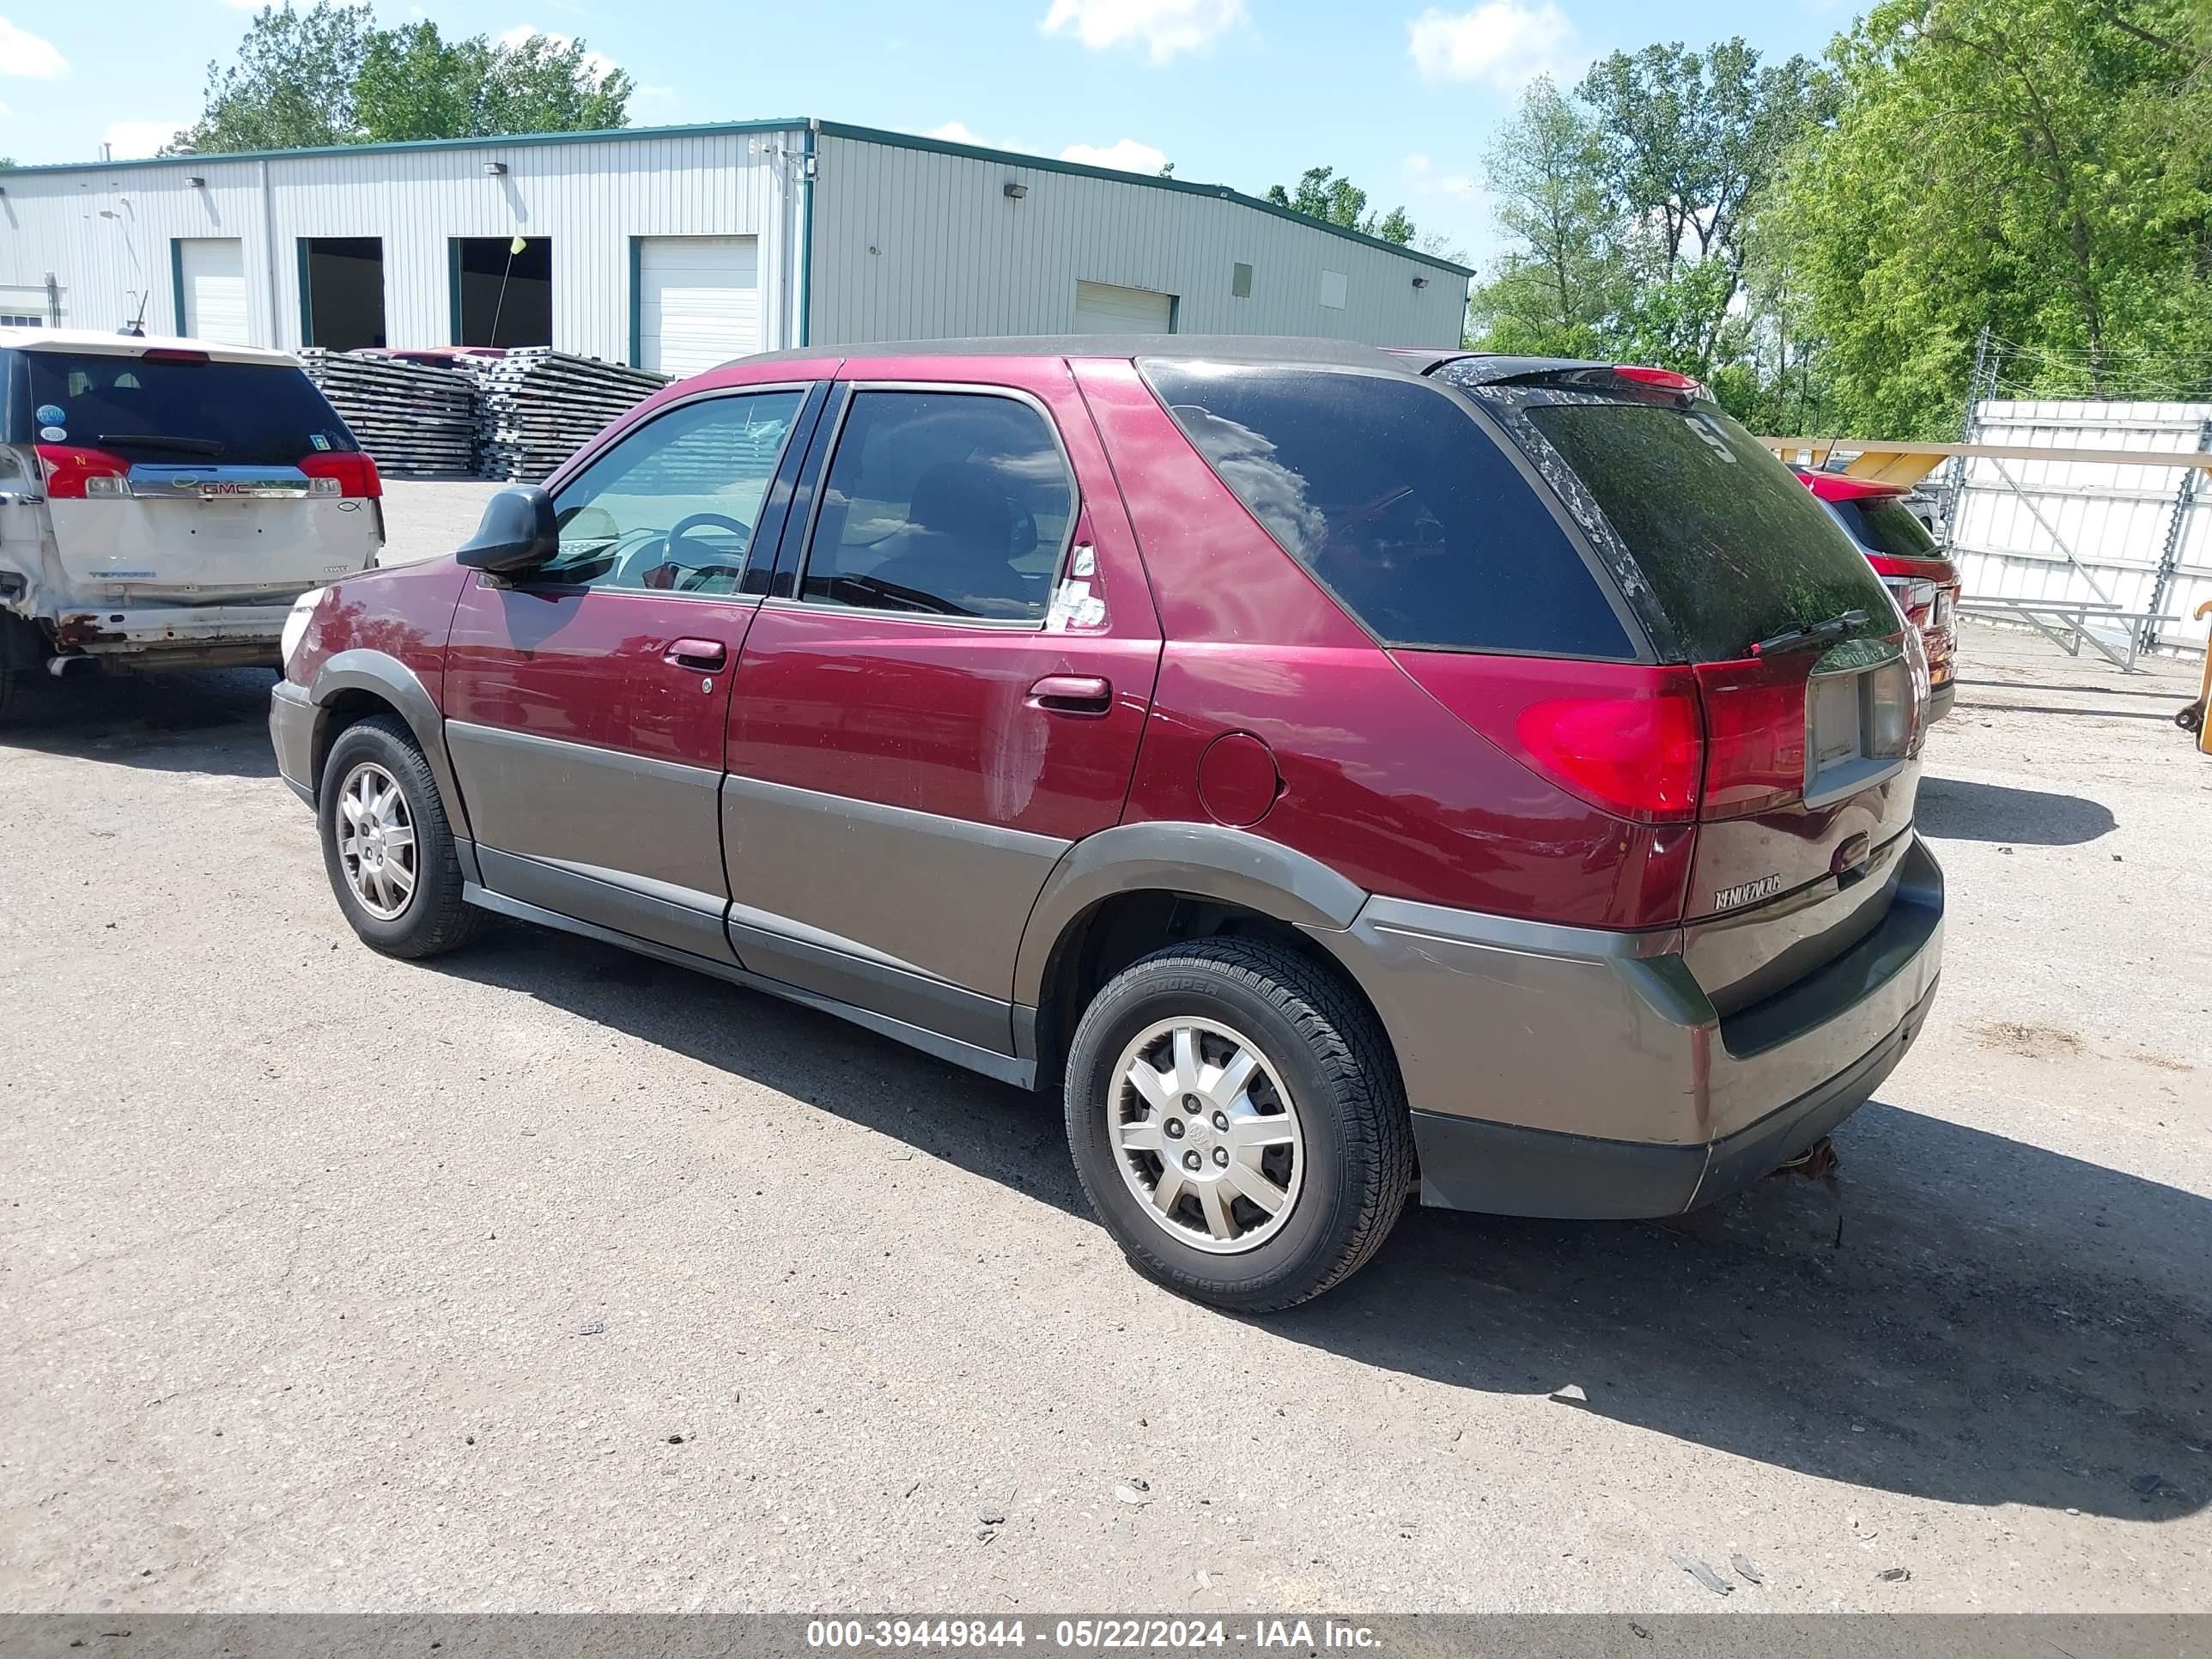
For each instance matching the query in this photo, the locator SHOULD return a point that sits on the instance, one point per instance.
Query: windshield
(1734, 547)
(178, 413)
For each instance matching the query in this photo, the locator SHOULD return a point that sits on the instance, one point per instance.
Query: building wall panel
(591, 197)
(916, 244)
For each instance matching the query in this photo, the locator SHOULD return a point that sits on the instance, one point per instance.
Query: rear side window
(1399, 504)
(179, 413)
(945, 503)
(1884, 524)
(1736, 548)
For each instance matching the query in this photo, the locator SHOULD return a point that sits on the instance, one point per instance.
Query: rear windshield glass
(177, 413)
(1735, 547)
(1884, 524)
(1405, 508)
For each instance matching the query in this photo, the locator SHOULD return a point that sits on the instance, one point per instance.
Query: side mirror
(517, 531)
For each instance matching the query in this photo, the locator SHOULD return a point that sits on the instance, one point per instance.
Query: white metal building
(675, 248)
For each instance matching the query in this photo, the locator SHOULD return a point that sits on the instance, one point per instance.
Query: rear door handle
(1072, 693)
(700, 655)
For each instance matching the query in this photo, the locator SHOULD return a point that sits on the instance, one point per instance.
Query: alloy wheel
(376, 840)
(1205, 1135)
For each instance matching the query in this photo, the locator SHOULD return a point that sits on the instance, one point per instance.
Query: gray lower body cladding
(1571, 1072)
(1503, 1169)
(292, 734)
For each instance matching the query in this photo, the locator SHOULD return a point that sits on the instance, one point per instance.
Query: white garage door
(698, 301)
(212, 269)
(1102, 308)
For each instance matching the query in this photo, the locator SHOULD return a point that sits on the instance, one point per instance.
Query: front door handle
(1072, 693)
(700, 656)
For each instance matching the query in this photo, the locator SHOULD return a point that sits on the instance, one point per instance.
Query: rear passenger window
(1405, 508)
(944, 503)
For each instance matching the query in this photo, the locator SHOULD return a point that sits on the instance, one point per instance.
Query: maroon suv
(1340, 773)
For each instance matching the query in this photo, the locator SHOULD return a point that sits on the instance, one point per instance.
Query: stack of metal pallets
(415, 422)
(536, 407)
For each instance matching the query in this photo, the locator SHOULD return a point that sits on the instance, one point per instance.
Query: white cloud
(1127, 153)
(22, 52)
(1163, 27)
(1505, 42)
(598, 62)
(130, 138)
(1423, 179)
(956, 133)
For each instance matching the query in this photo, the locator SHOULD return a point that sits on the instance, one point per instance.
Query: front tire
(1237, 1122)
(386, 846)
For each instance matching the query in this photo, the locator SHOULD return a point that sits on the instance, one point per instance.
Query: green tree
(1324, 194)
(2036, 165)
(1559, 288)
(330, 76)
(290, 84)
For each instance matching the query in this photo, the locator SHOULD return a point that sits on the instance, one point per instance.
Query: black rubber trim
(1916, 911)
(1504, 1168)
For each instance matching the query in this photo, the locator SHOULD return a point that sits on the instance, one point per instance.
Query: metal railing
(2071, 623)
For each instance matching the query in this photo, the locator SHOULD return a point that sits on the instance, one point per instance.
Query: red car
(1336, 775)
(1910, 564)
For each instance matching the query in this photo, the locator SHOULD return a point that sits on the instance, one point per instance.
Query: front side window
(673, 508)
(1405, 509)
(943, 503)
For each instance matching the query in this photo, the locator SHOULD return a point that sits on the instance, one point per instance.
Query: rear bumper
(1470, 1164)
(1941, 699)
(292, 734)
(1572, 1072)
(176, 636)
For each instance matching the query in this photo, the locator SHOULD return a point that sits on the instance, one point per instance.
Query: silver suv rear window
(173, 410)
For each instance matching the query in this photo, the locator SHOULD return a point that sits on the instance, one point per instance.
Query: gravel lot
(550, 1278)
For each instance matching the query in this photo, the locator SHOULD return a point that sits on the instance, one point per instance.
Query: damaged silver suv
(162, 503)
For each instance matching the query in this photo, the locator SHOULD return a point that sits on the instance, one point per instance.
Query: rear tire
(386, 846)
(1291, 1168)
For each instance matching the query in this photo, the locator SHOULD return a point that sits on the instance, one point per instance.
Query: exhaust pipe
(59, 667)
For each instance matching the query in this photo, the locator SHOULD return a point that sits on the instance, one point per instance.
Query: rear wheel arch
(1131, 921)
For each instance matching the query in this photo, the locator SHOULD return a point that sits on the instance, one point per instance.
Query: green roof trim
(834, 129)
(591, 136)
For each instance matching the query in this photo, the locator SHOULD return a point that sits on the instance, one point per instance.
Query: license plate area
(216, 485)
(1858, 724)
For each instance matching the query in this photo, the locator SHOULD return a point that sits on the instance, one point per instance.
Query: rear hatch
(1910, 562)
(179, 476)
(1811, 691)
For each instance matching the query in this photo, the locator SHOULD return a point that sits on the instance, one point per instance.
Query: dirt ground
(546, 1277)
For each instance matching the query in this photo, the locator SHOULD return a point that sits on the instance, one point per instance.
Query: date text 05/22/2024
(1088, 1635)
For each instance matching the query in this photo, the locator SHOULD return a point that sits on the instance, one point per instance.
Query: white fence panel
(2014, 523)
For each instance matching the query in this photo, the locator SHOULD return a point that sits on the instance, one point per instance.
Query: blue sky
(1401, 94)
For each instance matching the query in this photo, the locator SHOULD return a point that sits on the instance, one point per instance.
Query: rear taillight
(74, 474)
(1754, 732)
(1633, 753)
(350, 472)
(1917, 599)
